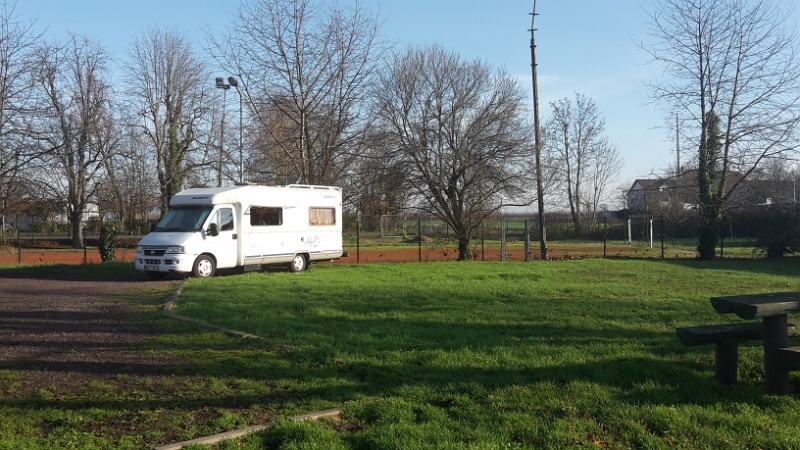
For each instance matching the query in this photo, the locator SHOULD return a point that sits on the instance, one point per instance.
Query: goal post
(393, 225)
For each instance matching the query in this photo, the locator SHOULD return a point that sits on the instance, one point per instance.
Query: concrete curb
(213, 439)
(167, 311)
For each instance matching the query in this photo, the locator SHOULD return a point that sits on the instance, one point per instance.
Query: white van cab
(244, 226)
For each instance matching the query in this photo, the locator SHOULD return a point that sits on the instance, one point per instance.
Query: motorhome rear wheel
(298, 264)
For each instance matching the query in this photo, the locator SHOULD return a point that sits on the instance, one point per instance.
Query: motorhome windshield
(184, 219)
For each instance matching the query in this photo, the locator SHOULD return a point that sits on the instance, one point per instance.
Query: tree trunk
(710, 186)
(77, 232)
(464, 253)
(710, 222)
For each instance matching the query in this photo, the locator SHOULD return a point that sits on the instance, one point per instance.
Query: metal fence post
(605, 236)
(84, 245)
(419, 238)
(502, 239)
(629, 231)
(358, 240)
(527, 240)
(19, 246)
(662, 237)
(483, 248)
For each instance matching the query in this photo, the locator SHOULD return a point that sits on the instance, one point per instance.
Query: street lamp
(220, 83)
(235, 83)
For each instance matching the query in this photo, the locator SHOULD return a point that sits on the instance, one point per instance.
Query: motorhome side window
(224, 219)
(322, 216)
(261, 216)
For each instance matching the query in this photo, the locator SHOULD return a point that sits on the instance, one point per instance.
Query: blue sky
(584, 46)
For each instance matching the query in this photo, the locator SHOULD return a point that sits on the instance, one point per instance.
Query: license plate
(151, 268)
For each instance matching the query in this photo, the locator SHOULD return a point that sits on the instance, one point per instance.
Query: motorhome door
(225, 245)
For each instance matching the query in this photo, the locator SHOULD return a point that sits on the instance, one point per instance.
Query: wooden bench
(790, 357)
(727, 338)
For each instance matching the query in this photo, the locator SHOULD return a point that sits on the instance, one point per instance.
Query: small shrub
(108, 241)
(779, 233)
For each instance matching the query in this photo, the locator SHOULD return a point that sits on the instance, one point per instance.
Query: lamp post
(220, 83)
(235, 83)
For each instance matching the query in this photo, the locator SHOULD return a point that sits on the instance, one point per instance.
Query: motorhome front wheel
(203, 267)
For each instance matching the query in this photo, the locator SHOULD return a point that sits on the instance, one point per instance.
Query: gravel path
(72, 328)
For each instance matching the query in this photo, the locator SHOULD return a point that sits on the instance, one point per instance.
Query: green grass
(567, 354)
(490, 355)
(104, 271)
(684, 248)
(164, 398)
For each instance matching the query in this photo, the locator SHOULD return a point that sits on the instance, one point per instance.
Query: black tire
(204, 267)
(156, 275)
(298, 264)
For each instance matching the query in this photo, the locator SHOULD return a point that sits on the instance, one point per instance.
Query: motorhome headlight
(175, 249)
(139, 249)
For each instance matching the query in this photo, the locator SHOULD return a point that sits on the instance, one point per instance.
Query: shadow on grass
(318, 373)
(636, 381)
(108, 271)
(337, 359)
(789, 266)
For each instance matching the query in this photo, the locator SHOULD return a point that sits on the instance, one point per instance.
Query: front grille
(152, 262)
(153, 251)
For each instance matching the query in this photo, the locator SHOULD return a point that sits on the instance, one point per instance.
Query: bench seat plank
(790, 358)
(728, 332)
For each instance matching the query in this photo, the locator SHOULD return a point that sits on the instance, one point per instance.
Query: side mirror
(152, 227)
(213, 229)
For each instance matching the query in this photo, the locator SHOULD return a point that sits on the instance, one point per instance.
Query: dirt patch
(68, 332)
(58, 256)
(451, 254)
(367, 256)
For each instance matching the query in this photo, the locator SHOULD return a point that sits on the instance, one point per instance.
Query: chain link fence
(498, 238)
(517, 236)
(53, 244)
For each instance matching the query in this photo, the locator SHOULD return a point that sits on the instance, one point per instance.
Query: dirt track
(69, 331)
(367, 256)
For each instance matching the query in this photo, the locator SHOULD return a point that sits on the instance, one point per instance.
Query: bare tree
(17, 41)
(378, 184)
(605, 167)
(458, 129)
(170, 97)
(31, 198)
(305, 68)
(128, 188)
(586, 159)
(74, 118)
(733, 69)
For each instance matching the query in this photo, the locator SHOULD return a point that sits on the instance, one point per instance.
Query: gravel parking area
(68, 331)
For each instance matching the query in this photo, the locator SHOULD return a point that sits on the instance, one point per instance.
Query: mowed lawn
(567, 354)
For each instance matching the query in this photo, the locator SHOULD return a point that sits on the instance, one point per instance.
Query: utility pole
(677, 147)
(537, 142)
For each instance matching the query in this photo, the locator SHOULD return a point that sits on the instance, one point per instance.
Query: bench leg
(727, 355)
(776, 376)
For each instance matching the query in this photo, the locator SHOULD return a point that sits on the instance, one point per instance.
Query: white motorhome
(244, 226)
